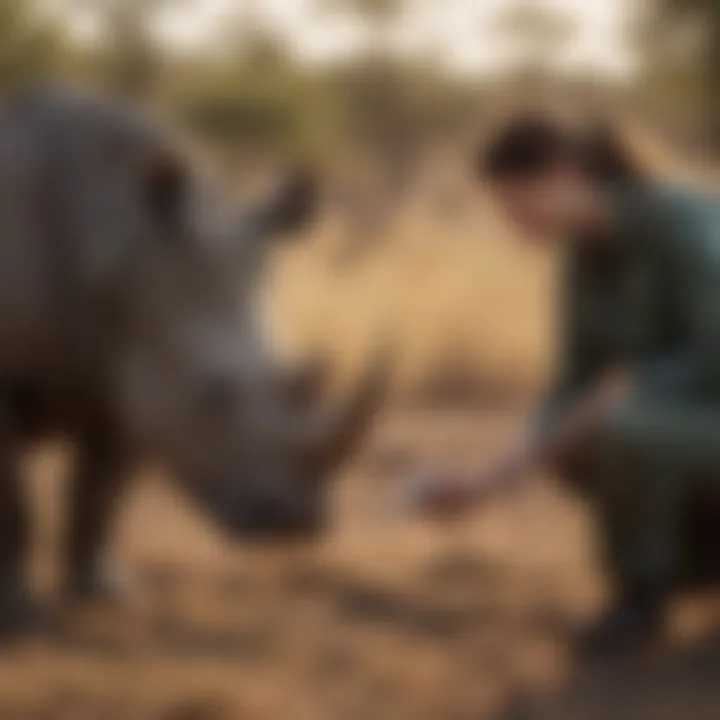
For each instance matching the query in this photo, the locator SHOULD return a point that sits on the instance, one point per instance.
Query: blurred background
(389, 100)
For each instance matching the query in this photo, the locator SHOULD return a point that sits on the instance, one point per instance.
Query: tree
(29, 43)
(380, 16)
(375, 103)
(131, 58)
(372, 10)
(700, 19)
(537, 35)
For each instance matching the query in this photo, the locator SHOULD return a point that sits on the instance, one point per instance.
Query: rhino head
(195, 377)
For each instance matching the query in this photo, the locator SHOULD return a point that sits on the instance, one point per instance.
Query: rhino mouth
(317, 441)
(268, 522)
(327, 437)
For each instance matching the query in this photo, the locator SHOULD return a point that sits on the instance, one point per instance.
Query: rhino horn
(306, 382)
(292, 204)
(336, 434)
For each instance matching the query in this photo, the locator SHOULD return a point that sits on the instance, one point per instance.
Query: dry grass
(461, 301)
(385, 619)
(467, 307)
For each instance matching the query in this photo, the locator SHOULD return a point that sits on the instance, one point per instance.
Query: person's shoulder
(669, 212)
(651, 201)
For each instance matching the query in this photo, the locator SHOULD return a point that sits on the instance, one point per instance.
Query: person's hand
(444, 496)
(450, 496)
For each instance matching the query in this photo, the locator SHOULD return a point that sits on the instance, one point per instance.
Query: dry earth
(385, 619)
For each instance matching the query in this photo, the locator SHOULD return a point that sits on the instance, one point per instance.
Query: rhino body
(129, 323)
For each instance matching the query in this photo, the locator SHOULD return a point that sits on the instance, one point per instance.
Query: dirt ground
(385, 619)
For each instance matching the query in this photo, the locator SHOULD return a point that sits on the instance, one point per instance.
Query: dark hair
(528, 145)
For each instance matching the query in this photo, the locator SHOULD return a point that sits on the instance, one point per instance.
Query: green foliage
(537, 33)
(130, 59)
(376, 111)
(30, 46)
(374, 10)
(679, 41)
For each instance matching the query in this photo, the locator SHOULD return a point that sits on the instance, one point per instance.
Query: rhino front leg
(16, 609)
(100, 475)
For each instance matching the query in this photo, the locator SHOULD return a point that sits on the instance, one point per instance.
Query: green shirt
(647, 299)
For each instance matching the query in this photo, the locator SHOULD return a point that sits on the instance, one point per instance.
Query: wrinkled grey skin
(129, 323)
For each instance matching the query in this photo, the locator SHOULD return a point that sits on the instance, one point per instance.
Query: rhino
(130, 325)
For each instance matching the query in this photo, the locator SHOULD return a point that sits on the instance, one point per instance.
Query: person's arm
(575, 363)
(446, 497)
(575, 391)
(577, 398)
(688, 242)
(687, 233)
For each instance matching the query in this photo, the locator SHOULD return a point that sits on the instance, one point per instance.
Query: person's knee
(574, 470)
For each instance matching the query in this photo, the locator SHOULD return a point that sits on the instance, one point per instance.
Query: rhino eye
(220, 394)
(165, 192)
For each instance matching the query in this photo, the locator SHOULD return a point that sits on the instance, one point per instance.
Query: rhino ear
(292, 205)
(164, 190)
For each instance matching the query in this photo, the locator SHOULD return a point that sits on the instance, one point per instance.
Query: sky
(460, 32)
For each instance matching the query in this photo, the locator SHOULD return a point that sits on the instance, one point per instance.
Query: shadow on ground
(400, 624)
